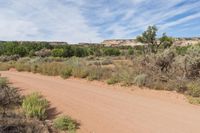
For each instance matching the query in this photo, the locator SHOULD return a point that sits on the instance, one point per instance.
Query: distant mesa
(121, 42)
(133, 42)
(118, 42)
(33, 42)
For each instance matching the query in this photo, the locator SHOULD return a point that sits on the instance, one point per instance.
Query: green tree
(165, 41)
(149, 37)
(130, 51)
(111, 51)
(80, 52)
(20, 50)
(68, 51)
(57, 52)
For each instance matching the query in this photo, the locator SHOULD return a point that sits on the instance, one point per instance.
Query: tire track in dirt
(104, 110)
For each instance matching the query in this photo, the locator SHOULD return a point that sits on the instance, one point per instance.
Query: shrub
(193, 50)
(34, 68)
(193, 67)
(80, 72)
(51, 69)
(95, 73)
(22, 67)
(66, 73)
(178, 84)
(4, 66)
(111, 52)
(113, 80)
(106, 62)
(130, 51)
(76, 63)
(43, 52)
(192, 62)
(165, 41)
(8, 96)
(79, 68)
(9, 58)
(194, 89)
(106, 73)
(165, 60)
(123, 73)
(80, 52)
(35, 106)
(127, 79)
(158, 85)
(58, 52)
(140, 80)
(14, 123)
(182, 50)
(96, 63)
(3, 82)
(193, 100)
(65, 123)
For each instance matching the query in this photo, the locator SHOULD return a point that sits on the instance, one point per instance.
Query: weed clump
(194, 89)
(65, 123)
(4, 66)
(66, 73)
(140, 80)
(113, 80)
(193, 100)
(34, 105)
(8, 96)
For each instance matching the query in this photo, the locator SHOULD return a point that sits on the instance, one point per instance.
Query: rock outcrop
(186, 41)
(121, 42)
(133, 42)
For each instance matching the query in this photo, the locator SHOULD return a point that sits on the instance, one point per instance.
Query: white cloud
(180, 21)
(138, 17)
(87, 20)
(44, 20)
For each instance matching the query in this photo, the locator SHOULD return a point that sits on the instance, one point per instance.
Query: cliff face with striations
(133, 42)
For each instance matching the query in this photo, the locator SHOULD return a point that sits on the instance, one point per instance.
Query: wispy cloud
(44, 20)
(93, 21)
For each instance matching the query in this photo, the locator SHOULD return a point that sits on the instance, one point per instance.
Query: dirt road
(103, 109)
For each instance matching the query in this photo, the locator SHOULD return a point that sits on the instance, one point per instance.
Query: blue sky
(95, 20)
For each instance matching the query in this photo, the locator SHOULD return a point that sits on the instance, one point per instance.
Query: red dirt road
(103, 109)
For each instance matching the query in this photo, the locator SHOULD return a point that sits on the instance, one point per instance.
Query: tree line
(44, 49)
(149, 38)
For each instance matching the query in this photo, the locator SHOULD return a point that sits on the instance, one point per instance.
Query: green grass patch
(194, 89)
(193, 100)
(113, 80)
(34, 105)
(65, 123)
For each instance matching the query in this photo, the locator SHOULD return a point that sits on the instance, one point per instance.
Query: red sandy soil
(112, 109)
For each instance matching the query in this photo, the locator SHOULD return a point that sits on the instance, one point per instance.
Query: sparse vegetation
(13, 120)
(8, 96)
(4, 66)
(194, 89)
(66, 73)
(140, 80)
(34, 105)
(113, 80)
(157, 64)
(65, 123)
(193, 100)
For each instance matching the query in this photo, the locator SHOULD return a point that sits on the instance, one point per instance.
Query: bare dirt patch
(113, 109)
